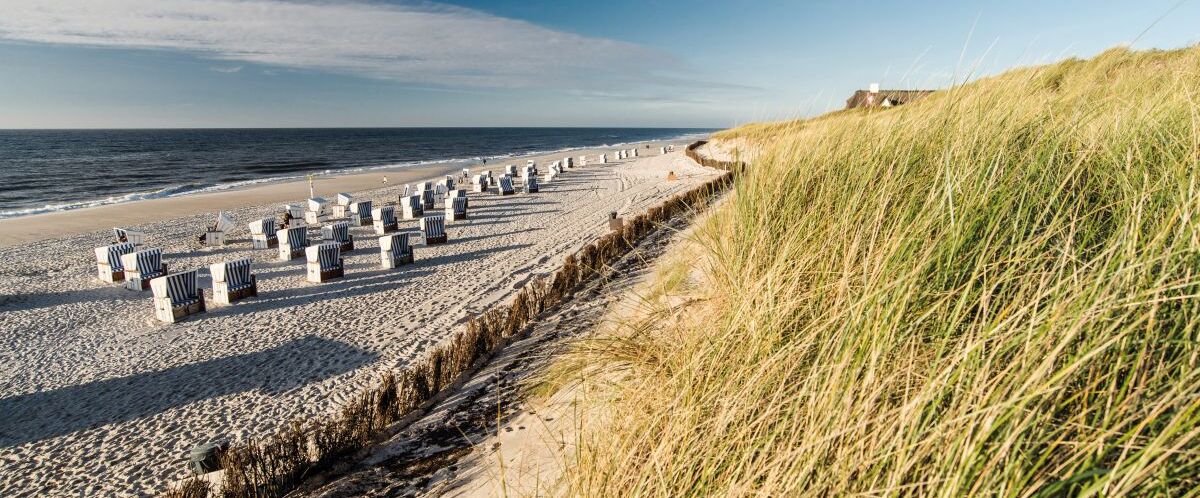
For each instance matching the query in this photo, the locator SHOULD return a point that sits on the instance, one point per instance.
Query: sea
(44, 171)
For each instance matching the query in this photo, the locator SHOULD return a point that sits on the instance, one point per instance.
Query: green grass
(994, 291)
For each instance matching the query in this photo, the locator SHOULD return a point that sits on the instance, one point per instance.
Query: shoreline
(48, 226)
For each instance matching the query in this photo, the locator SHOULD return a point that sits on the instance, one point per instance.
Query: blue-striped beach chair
(361, 214)
(506, 186)
(232, 281)
(531, 185)
(324, 263)
(177, 295)
(339, 233)
(292, 242)
(395, 250)
(122, 236)
(434, 228)
(385, 220)
(426, 200)
(262, 233)
(459, 193)
(141, 267)
(456, 208)
(108, 261)
(510, 170)
(412, 207)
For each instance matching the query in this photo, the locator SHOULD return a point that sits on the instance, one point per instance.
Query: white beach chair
(385, 220)
(407, 190)
(141, 267)
(506, 186)
(662, 151)
(215, 234)
(635, 152)
(292, 242)
(456, 208)
(510, 170)
(531, 185)
(296, 213)
(481, 183)
(568, 162)
(177, 295)
(262, 233)
(583, 160)
(342, 203)
(324, 263)
(412, 207)
(232, 281)
(459, 193)
(108, 261)
(395, 250)
(434, 228)
(603, 158)
(317, 210)
(361, 213)
(122, 235)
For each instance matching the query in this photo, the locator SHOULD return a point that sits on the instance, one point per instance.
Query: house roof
(859, 99)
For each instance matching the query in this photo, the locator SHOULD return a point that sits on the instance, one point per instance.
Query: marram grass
(991, 292)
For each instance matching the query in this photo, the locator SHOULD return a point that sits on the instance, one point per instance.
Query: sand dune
(100, 398)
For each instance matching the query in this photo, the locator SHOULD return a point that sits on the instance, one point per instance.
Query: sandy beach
(100, 398)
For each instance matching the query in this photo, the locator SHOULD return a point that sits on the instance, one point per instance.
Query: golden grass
(994, 291)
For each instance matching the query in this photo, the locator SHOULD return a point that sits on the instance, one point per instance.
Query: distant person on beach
(385, 179)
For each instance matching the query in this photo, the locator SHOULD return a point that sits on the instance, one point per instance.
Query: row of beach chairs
(177, 295)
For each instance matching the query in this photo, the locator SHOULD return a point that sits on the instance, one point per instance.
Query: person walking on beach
(385, 180)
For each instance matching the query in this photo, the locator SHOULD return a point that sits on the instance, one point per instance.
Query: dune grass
(994, 291)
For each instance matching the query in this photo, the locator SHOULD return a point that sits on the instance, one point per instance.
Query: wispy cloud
(226, 69)
(422, 43)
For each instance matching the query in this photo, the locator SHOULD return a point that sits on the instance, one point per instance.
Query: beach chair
(506, 186)
(662, 151)
(459, 193)
(531, 185)
(412, 207)
(510, 170)
(385, 220)
(426, 200)
(407, 190)
(582, 161)
(232, 281)
(395, 250)
(141, 267)
(434, 228)
(317, 210)
(262, 233)
(324, 263)
(449, 182)
(292, 242)
(481, 183)
(456, 208)
(341, 206)
(603, 158)
(215, 234)
(177, 295)
(122, 235)
(339, 233)
(296, 214)
(567, 162)
(108, 261)
(635, 152)
(361, 214)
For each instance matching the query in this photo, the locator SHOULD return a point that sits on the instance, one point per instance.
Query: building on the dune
(874, 97)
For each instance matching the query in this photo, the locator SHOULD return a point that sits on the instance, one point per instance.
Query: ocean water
(55, 170)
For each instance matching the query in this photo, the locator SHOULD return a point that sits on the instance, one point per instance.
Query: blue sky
(235, 63)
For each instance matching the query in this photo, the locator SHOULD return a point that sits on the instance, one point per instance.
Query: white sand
(98, 397)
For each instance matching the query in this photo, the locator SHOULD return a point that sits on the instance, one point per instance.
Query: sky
(653, 63)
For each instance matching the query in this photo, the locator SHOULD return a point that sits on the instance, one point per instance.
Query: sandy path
(98, 397)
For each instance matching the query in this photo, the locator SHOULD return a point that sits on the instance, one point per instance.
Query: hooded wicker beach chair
(341, 206)
(141, 267)
(510, 170)
(108, 261)
(395, 250)
(434, 228)
(412, 207)
(531, 185)
(262, 233)
(385, 220)
(459, 193)
(318, 210)
(324, 263)
(506, 186)
(122, 235)
(603, 158)
(456, 208)
(177, 295)
(339, 233)
(292, 242)
(232, 281)
(481, 183)
(361, 214)
(215, 234)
